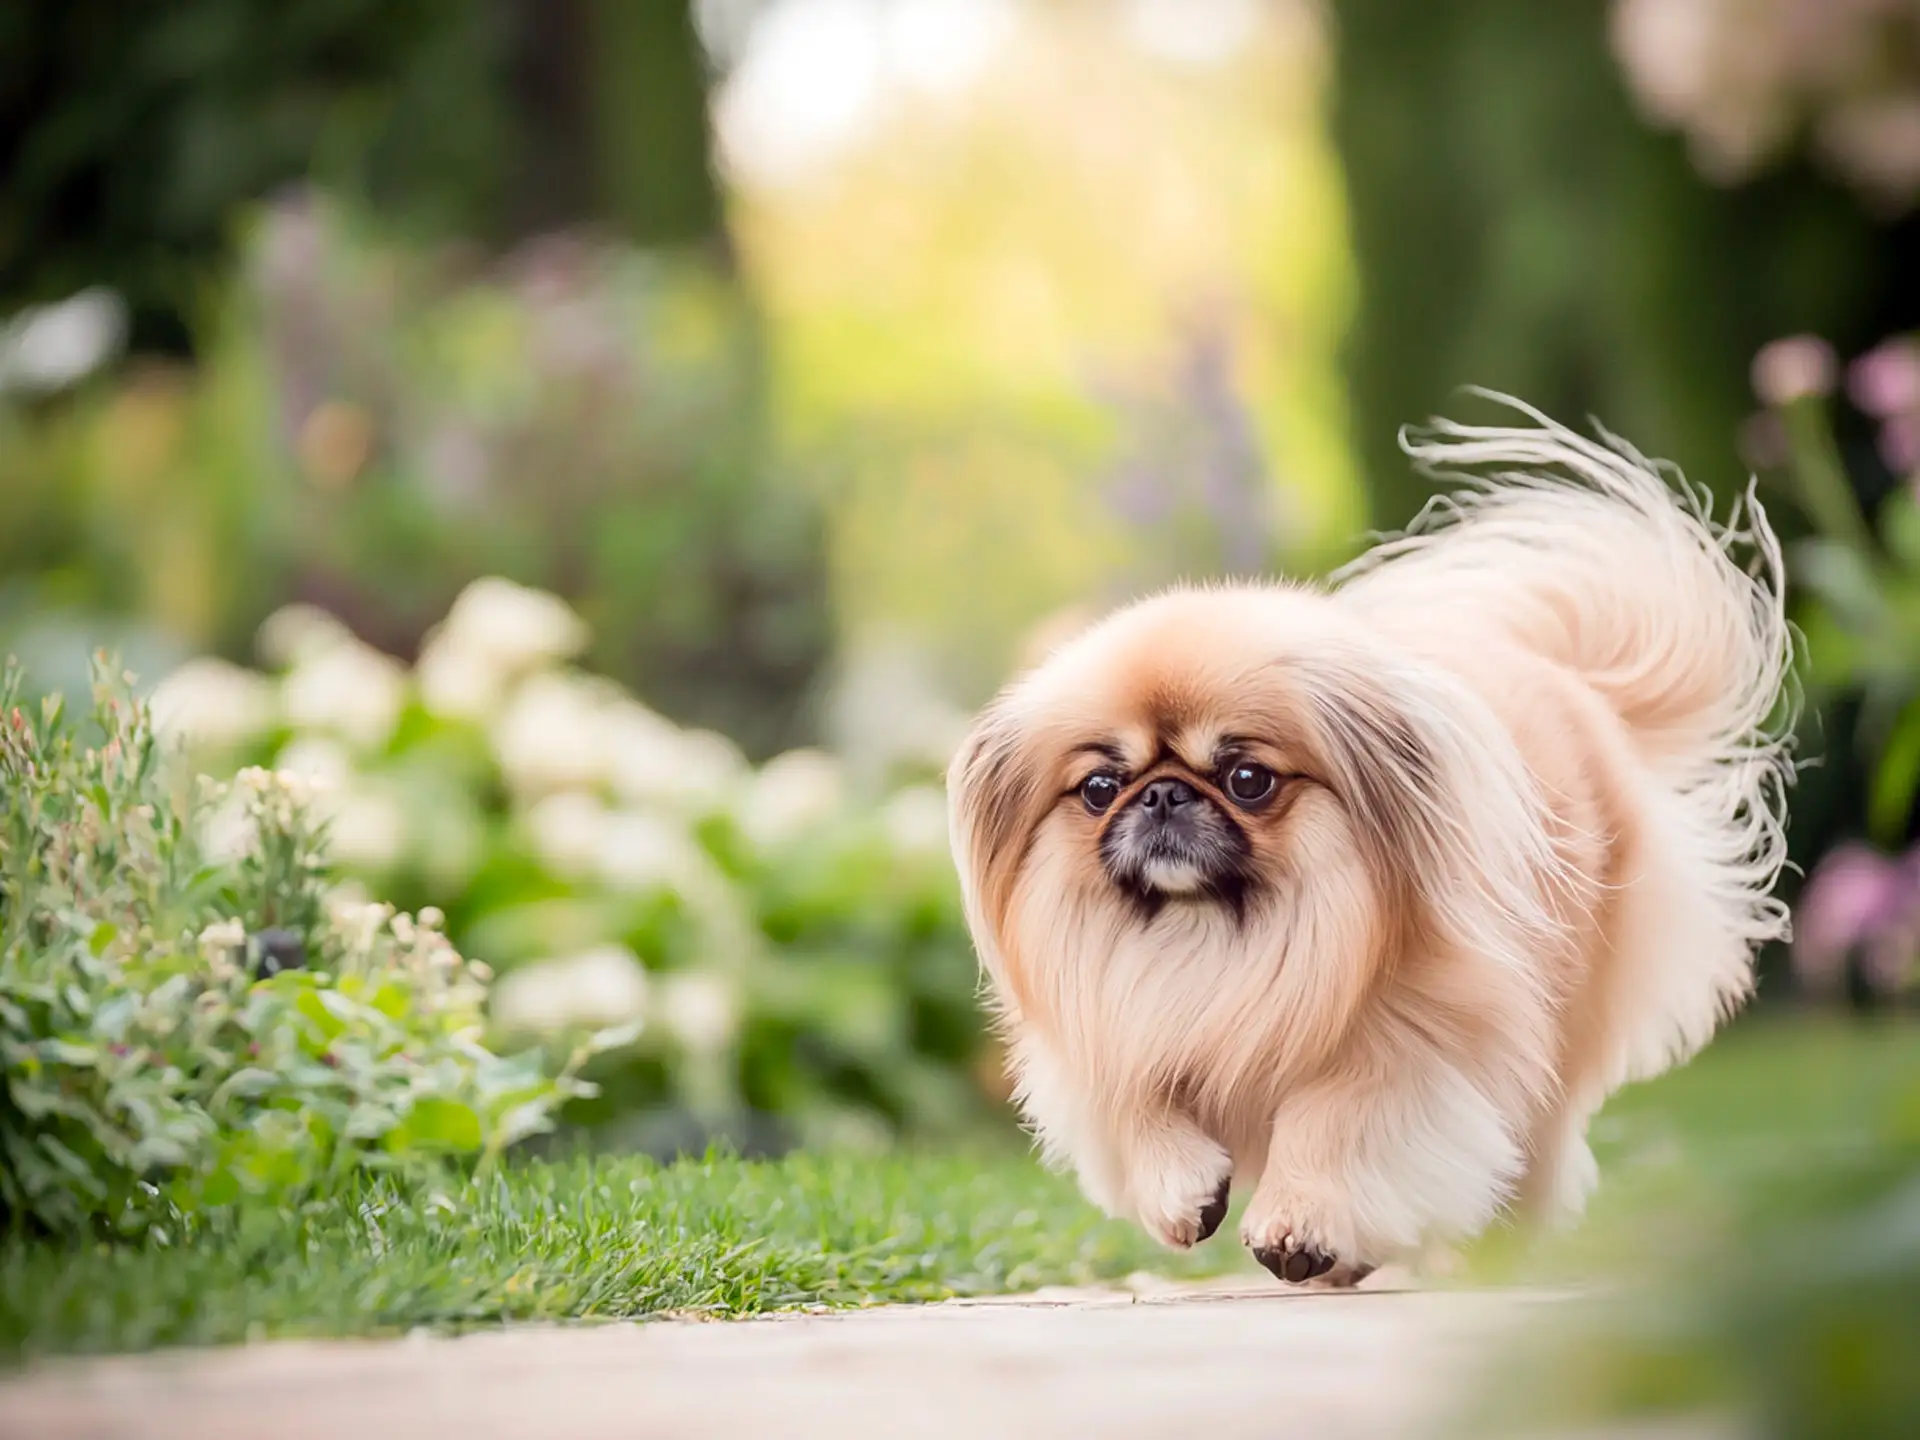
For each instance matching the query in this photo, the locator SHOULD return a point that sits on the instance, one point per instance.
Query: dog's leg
(1561, 1172)
(1136, 1158)
(1177, 1179)
(1366, 1163)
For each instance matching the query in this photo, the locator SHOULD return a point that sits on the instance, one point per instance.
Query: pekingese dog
(1367, 894)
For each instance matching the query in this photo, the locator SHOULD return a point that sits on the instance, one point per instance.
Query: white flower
(639, 851)
(349, 688)
(224, 935)
(294, 632)
(1667, 49)
(346, 902)
(792, 795)
(212, 703)
(357, 922)
(226, 834)
(599, 987)
(698, 1007)
(51, 346)
(566, 828)
(366, 827)
(457, 681)
(652, 761)
(496, 632)
(915, 821)
(550, 736)
(517, 626)
(319, 759)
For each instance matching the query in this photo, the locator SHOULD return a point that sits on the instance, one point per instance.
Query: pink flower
(1885, 381)
(1900, 443)
(1857, 900)
(1799, 367)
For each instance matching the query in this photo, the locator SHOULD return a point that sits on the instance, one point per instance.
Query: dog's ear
(1444, 805)
(992, 786)
(996, 795)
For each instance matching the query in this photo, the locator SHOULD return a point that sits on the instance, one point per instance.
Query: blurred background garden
(597, 452)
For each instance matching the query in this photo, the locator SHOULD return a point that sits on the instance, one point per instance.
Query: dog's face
(1171, 788)
(1216, 803)
(1171, 802)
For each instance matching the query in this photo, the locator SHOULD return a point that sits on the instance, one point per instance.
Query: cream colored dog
(1369, 894)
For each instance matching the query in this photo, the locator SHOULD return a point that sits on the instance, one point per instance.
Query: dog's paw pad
(1214, 1211)
(1295, 1261)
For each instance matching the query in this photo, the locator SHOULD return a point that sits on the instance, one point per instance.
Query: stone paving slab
(1215, 1363)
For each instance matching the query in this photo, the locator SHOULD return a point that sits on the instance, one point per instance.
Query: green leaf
(615, 1037)
(69, 1052)
(1895, 778)
(1900, 529)
(104, 934)
(437, 1124)
(313, 1005)
(244, 1084)
(220, 1187)
(1844, 579)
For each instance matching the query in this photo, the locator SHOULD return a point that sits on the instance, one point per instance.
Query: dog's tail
(1614, 565)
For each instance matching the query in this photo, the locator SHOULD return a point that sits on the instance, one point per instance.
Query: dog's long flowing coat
(1369, 895)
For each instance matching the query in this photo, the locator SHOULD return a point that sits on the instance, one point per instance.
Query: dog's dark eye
(1099, 790)
(1250, 785)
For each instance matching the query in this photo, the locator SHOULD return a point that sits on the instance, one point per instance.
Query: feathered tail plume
(1589, 553)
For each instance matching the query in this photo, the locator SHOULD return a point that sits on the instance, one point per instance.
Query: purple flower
(1885, 381)
(1859, 902)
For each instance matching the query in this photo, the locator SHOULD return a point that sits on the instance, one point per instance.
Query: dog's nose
(1161, 798)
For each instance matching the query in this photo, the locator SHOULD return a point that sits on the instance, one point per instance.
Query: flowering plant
(1745, 79)
(1859, 578)
(189, 1013)
(787, 937)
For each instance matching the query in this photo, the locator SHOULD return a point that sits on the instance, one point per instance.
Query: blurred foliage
(1753, 1255)
(131, 135)
(374, 425)
(1857, 601)
(1013, 336)
(1518, 227)
(1859, 571)
(186, 1019)
(792, 945)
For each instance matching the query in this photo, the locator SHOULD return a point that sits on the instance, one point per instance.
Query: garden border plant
(191, 1016)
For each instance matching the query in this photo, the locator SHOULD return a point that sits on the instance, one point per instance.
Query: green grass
(607, 1239)
(615, 1239)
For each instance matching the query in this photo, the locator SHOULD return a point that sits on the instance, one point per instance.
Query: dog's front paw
(1298, 1242)
(1182, 1201)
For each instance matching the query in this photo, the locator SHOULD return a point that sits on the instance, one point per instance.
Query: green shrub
(789, 937)
(1755, 1257)
(188, 1013)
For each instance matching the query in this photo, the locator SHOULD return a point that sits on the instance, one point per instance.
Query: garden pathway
(1214, 1364)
